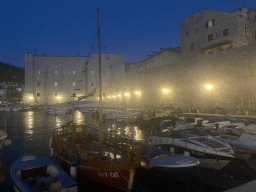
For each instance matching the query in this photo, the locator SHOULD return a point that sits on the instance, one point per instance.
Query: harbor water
(30, 133)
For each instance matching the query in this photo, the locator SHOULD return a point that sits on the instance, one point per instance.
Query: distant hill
(10, 73)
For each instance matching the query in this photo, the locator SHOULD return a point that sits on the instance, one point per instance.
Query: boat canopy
(96, 104)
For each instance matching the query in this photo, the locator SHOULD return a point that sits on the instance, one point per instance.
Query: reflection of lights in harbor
(29, 120)
(30, 132)
(58, 122)
(80, 117)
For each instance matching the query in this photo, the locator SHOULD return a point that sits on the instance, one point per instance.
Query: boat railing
(65, 145)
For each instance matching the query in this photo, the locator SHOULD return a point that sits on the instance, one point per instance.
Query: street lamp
(208, 86)
(165, 90)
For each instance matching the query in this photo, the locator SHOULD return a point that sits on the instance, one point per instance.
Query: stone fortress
(217, 49)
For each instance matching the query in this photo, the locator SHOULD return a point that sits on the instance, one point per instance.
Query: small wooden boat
(36, 173)
(112, 163)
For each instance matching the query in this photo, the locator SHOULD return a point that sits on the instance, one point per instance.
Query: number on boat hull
(106, 174)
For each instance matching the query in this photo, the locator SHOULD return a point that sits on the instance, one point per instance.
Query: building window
(246, 31)
(187, 33)
(56, 94)
(56, 72)
(210, 37)
(55, 84)
(210, 23)
(38, 94)
(196, 16)
(192, 46)
(74, 84)
(39, 72)
(92, 72)
(225, 32)
(92, 84)
(186, 21)
(74, 95)
(74, 72)
(196, 30)
(38, 83)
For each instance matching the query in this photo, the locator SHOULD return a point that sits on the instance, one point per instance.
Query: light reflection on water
(31, 131)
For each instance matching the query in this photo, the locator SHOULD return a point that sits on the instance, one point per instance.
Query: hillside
(9, 73)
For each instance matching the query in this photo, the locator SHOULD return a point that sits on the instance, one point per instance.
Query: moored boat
(113, 165)
(173, 166)
(36, 173)
(211, 153)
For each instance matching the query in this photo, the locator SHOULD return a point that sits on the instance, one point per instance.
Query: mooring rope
(119, 172)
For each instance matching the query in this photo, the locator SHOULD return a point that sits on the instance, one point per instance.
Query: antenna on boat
(100, 85)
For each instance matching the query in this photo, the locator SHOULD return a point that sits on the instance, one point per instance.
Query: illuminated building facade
(57, 79)
(217, 49)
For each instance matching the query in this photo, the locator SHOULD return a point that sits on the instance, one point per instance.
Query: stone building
(57, 79)
(218, 49)
(208, 31)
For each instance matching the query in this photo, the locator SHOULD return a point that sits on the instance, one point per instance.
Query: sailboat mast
(100, 85)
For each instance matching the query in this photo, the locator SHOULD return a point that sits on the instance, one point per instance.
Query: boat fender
(50, 143)
(51, 152)
(7, 142)
(73, 168)
(51, 147)
(186, 153)
(43, 183)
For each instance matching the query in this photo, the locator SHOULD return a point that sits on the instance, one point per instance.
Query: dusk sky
(69, 27)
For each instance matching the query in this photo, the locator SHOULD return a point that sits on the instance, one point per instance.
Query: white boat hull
(213, 163)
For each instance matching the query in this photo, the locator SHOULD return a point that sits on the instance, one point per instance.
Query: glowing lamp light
(136, 92)
(30, 97)
(113, 96)
(126, 94)
(109, 97)
(208, 86)
(165, 90)
(58, 97)
(118, 95)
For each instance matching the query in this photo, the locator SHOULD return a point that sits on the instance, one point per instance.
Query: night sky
(69, 27)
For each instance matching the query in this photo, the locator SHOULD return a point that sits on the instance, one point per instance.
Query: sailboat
(105, 158)
(92, 154)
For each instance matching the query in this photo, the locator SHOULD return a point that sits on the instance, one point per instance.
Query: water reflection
(79, 117)
(31, 131)
(57, 122)
(29, 122)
